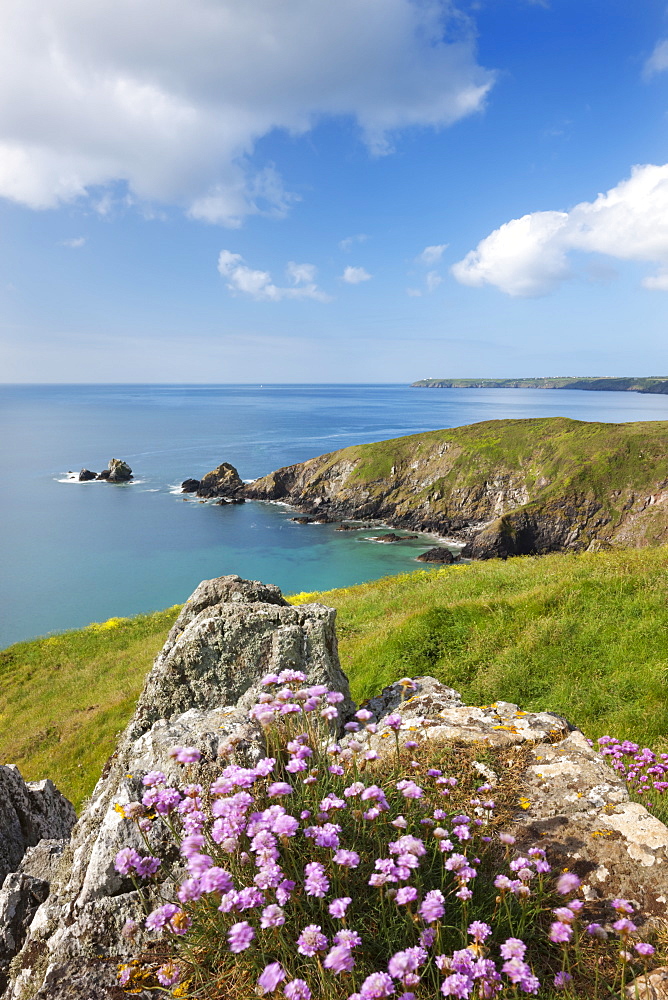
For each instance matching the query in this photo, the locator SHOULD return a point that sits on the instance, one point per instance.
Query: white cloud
(75, 243)
(259, 285)
(530, 256)
(349, 241)
(414, 293)
(658, 61)
(355, 275)
(168, 98)
(431, 255)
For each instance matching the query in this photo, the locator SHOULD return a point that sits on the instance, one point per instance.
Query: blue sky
(296, 190)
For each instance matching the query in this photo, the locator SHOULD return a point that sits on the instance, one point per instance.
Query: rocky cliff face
(229, 635)
(505, 488)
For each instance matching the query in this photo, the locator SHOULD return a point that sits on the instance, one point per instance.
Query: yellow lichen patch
(525, 803)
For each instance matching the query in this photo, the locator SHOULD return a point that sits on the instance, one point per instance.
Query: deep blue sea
(73, 553)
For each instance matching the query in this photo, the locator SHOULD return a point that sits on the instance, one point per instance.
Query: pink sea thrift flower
(240, 936)
(269, 979)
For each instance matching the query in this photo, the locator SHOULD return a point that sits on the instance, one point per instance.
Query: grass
(585, 636)
(64, 698)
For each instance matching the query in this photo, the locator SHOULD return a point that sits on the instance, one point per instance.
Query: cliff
(608, 384)
(505, 487)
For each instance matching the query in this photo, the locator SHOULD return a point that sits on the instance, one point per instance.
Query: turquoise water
(74, 553)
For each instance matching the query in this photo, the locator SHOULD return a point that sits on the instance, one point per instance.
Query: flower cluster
(325, 875)
(645, 772)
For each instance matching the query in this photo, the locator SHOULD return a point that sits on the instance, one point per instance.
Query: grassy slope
(63, 699)
(582, 635)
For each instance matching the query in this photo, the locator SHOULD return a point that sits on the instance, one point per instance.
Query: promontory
(505, 487)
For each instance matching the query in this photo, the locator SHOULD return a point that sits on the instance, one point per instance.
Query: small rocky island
(116, 472)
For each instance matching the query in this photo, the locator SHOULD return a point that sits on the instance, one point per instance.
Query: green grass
(585, 636)
(63, 699)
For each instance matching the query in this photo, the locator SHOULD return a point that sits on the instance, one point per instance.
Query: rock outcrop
(86, 475)
(223, 481)
(35, 823)
(439, 554)
(229, 634)
(116, 472)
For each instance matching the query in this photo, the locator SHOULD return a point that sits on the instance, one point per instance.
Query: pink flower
(269, 979)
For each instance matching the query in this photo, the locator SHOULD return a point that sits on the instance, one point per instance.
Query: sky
(308, 191)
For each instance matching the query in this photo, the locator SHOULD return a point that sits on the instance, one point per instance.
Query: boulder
(85, 475)
(190, 485)
(439, 554)
(302, 520)
(119, 472)
(223, 481)
(105, 474)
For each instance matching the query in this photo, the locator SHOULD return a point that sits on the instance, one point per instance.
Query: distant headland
(652, 384)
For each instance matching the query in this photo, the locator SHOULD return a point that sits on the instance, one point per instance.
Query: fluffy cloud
(258, 284)
(355, 275)
(168, 98)
(530, 256)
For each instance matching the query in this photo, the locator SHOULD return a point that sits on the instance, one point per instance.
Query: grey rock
(573, 803)
(21, 894)
(119, 472)
(229, 635)
(29, 812)
(652, 986)
(85, 475)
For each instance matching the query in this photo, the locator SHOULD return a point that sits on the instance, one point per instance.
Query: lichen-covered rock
(229, 635)
(652, 986)
(29, 812)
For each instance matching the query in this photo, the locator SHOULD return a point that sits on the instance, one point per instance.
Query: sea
(75, 553)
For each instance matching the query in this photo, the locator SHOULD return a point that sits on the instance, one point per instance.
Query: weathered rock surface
(29, 812)
(223, 481)
(21, 894)
(391, 536)
(439, 554)
(653, 986)
(85, 475)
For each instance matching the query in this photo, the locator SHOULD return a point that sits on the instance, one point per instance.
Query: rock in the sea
(221, 482)
(190, 485)
(391, 536)
(302, 520)
(104, 474)
(119, 472)
(85, 475)
(439, 554)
